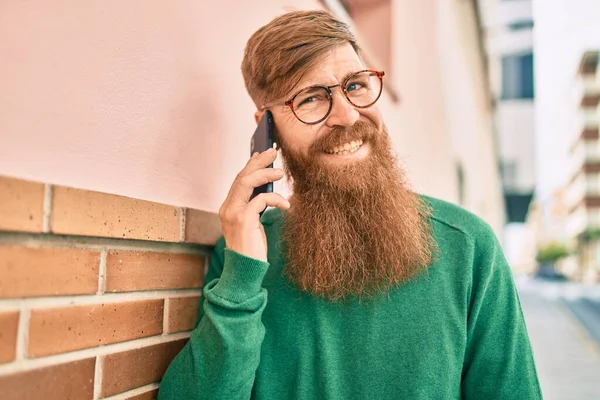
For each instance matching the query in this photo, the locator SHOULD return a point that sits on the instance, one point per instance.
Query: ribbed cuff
(241, 278)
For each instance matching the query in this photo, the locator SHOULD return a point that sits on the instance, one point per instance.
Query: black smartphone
(262, 140)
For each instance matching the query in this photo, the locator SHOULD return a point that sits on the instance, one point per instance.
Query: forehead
(332, 67)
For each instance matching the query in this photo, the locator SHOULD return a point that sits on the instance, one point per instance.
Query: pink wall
(138, 98)
(373, 20)
(146, 99)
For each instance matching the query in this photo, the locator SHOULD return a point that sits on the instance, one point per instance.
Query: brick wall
(98, 292)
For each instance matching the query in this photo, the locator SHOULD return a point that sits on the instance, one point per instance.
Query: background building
(583, 228)
(508, 31)
(567, 38)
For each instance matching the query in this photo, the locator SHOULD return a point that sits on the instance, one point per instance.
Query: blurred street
(563, 319)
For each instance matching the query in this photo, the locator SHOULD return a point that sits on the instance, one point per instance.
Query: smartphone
(262, 140)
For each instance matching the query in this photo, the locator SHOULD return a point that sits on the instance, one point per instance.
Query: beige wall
(422, 135)
(467, 101)
(146, 99)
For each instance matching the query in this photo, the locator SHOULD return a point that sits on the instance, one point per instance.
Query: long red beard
(354, 230)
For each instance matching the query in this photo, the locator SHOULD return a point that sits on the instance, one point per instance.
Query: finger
(264, 200)
(248, 169)
(262, 160)
(243, 187)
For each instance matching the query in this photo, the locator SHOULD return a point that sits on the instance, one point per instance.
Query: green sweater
(457, 332)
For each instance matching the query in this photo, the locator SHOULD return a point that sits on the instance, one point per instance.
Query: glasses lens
(312, 104)
(363, 89)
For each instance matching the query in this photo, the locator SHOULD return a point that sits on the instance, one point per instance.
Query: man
(374, 292)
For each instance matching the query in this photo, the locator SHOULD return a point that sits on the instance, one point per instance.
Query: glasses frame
(290, 102)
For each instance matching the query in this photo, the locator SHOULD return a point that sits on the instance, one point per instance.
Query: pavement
(563, 321)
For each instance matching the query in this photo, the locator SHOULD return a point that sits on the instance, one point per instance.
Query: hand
(240, 218)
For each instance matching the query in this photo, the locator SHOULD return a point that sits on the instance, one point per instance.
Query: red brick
(47, 271)
(22, 205)
(70, 381)
(9, 325)
(135, 270)
(151, 395)
(82, 212)
(131, 369)
(60, 330)
(183, 313)
(202, 227)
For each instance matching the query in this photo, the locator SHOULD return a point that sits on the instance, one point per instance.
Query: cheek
(297, 137)
(299, 144)
(373, 115)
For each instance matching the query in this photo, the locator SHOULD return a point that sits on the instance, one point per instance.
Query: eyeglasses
(313, 104)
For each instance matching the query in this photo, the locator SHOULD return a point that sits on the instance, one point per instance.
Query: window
(508, 171)
(517, 76)
(521, 25)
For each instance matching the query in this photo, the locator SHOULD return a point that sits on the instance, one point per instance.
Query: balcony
(592, 201)
(585, 125)
(577, 222)
(588, 66)
(576, 159)
(584, 189)
(586, 91)
(584, 216)
(593, 221)
(591, 152)
(576, 191)
(585, 157)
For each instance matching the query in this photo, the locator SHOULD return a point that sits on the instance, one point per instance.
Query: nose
(342, 112)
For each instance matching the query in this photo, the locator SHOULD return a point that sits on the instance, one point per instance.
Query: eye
(313, 100)
(352, 86)
(308, 100)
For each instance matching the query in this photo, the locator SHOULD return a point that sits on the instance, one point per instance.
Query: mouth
(346, 148)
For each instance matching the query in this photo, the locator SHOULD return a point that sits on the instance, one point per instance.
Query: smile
(345, 149)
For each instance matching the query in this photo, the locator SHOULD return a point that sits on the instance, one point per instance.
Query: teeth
(347, 148)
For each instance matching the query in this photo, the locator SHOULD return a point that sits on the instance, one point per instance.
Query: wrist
(241, 278)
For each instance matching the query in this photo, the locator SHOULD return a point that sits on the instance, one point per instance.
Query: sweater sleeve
(499, 360)
(221, 357)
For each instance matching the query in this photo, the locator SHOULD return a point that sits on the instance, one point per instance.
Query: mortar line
(23, 333)
(133, 392)
(182, 222)
(98, 377)
(93, 299)
(166, 315)
(78, 355)
(47, 208)
(102, 272)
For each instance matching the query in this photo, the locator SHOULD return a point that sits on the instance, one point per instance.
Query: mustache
(361, 130)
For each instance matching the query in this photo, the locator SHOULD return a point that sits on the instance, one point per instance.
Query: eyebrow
(346, 76)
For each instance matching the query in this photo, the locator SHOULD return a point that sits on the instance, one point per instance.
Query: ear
(258, 115)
